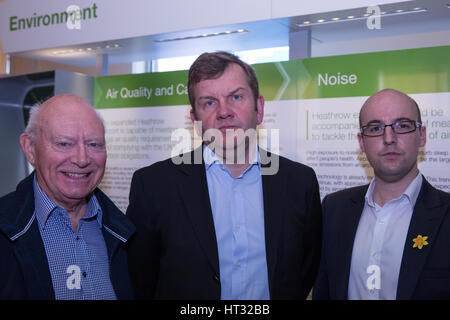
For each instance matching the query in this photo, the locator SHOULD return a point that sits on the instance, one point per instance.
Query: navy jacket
(24, 270)
(424, 274)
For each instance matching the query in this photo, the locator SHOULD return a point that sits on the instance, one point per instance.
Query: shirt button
(238, 226)
(238, 264)
(84, 274)
(77, 238)
(374, 254)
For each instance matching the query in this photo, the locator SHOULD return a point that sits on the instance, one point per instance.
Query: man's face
(69, 153)
(392, 156)
(227, 104)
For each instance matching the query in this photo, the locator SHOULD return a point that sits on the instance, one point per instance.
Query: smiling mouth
(76, 175)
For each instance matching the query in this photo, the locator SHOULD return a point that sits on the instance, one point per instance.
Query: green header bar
(411, 71)
(141, 90)
(422, 70)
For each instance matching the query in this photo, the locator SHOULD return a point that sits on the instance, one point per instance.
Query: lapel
(273, 198)
(116, 227)
(348, 225)
(31, 255)
(23, 231)
(426, 219)
(193, 190)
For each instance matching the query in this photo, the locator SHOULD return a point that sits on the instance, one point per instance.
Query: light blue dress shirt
(379, 243)
(238, 212)
(78, 261)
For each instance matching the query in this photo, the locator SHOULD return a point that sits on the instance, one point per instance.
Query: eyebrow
(396, 120)
(229, 94)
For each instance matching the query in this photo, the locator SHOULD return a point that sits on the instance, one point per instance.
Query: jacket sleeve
(314, 231)
(321, 286)
(144, 247)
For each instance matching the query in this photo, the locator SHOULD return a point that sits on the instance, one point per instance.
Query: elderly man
(389, 239)
(60, 236)
(221, 227)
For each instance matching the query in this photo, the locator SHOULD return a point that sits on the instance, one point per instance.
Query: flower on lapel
(420, 241)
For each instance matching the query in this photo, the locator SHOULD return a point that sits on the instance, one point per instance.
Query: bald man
(60, 236)
(389, 239)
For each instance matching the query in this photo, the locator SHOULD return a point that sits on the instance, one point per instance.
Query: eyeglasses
(399, 127)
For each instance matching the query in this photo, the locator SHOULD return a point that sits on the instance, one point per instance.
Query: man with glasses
(389, 239)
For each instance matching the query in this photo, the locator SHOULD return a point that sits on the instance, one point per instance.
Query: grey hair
(31, 128)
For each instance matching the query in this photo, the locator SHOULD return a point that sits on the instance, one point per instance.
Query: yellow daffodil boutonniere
(420, 241)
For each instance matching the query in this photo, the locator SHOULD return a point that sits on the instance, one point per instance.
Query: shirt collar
(210, 158)
(44, 206)
(411, 193)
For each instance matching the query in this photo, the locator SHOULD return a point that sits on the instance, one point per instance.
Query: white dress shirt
(379, 243)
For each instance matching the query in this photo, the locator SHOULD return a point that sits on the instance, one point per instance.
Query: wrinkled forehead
(63, 114)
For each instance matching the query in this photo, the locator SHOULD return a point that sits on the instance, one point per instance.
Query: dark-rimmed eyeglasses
(399, 127)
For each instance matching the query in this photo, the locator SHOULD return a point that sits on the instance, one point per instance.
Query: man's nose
(81, 156)
(389, 135)
(224, 110)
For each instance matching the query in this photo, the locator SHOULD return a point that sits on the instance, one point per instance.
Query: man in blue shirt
(389, 239)
(60, 236)
(228, 220)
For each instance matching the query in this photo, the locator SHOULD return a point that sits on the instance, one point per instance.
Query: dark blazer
(424, 274)
(174, 254)
(24, 269)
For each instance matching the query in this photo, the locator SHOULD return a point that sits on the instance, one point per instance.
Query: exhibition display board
(311, 114)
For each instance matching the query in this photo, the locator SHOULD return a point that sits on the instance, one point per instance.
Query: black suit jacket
(174, 252)
(424, 274)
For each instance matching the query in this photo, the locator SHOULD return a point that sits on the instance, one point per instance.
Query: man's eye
(63, 144)
(237, 97)
(404, 125)
(96, 145)
(209, 103)
(375, 128)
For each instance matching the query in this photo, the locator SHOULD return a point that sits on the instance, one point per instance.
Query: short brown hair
(211, 65)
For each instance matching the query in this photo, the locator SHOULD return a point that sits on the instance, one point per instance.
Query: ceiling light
(204, 35)
(364, 16)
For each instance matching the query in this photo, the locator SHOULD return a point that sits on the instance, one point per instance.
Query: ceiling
(263, 34)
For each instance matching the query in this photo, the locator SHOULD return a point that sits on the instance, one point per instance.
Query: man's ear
(361, 142)
(27, 147)
(423, 136)
(192, 114)
(260, 109)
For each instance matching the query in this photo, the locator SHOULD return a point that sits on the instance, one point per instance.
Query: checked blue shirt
(78, 261)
